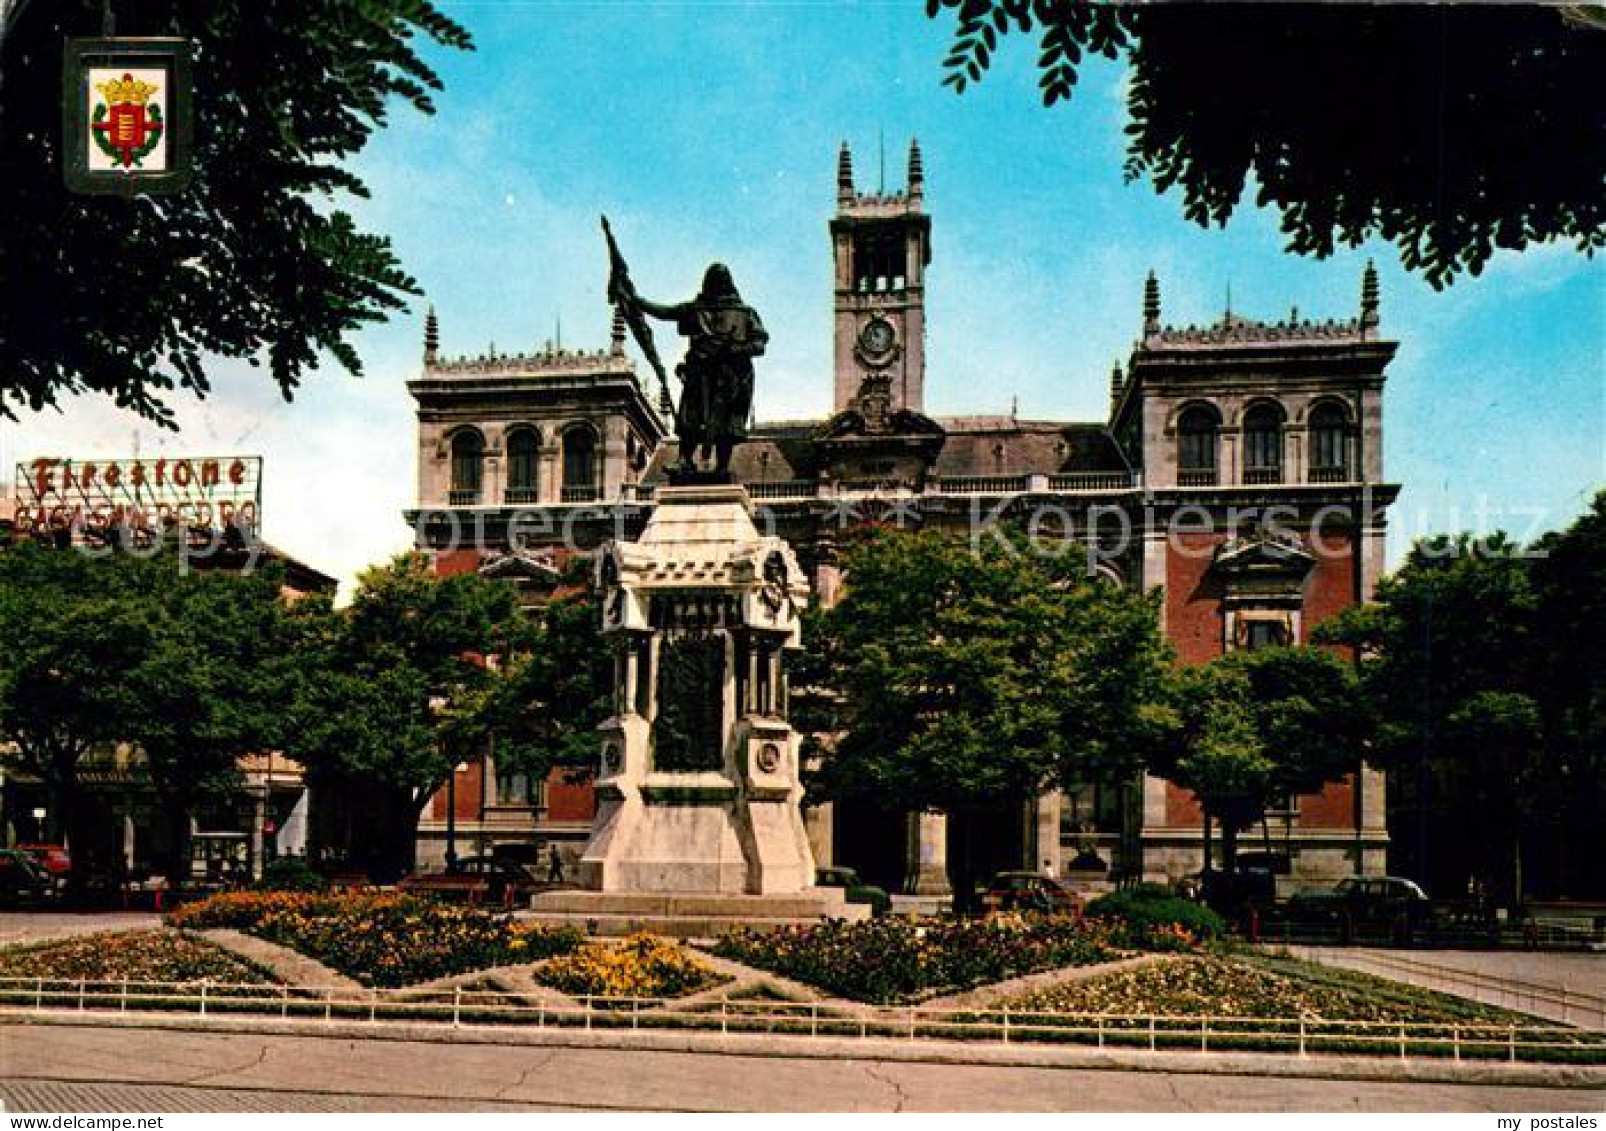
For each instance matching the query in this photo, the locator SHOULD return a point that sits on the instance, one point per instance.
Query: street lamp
(438, 704)
(451, 816)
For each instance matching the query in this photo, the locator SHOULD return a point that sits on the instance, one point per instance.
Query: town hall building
(1238, 469)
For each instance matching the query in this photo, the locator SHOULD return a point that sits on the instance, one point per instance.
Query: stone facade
(1239, 469)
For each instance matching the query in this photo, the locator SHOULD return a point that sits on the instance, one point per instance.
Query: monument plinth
(699, 825)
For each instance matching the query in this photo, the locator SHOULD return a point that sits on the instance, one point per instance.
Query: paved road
(90, 1069)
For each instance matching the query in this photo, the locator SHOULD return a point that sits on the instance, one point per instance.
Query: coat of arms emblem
(125, 115)
(126, 124)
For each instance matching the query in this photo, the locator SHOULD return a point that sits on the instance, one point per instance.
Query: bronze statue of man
(723, 335)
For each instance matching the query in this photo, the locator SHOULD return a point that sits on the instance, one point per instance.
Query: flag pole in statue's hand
(622, 293)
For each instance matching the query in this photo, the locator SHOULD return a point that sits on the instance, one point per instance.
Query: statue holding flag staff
(723, 336)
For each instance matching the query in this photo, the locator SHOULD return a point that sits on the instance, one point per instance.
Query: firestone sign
(204, 497)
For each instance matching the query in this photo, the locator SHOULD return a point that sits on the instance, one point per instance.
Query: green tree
(1569, 576)
(1393, 120)
(213, 686)
(388, 693)
(175, 667)
(1259, 727)
(70, 674)
(1497, 776)
(964, 679)
(1447, 662)
(127, 298)
(555, 691)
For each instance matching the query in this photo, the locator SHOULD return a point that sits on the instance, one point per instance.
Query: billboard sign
(206, 498)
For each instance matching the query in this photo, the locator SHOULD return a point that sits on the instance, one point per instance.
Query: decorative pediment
(1263, 571)
(1258, 554)
(521, 565)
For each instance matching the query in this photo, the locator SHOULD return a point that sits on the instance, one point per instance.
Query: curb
(872, 1049)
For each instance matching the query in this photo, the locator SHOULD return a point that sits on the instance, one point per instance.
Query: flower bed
(898, 960)
(1200, 986)
(381, 939)
(138, 956)
(641, 966)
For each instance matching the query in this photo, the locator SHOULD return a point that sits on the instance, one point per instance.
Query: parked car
(22, 879)
(507, 880)
(1364, 902)
(855, 890)
(53, 858)
(1028, 891)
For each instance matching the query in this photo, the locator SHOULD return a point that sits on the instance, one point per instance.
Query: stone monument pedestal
(699, 827)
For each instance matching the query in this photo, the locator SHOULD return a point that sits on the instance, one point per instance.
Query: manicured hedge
(1150, 917)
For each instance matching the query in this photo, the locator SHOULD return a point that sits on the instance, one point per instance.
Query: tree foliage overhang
(1449, 130)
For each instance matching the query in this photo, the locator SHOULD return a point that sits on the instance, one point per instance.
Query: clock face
(877, 337)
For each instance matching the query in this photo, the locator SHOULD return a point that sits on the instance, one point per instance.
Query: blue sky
(709, 130)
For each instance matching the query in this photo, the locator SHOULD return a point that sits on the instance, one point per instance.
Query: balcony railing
(1091, 481)
(783, 489)
(1263, 475)
(1329, 475)
(463, 497)
(1196, 477)
(983, 485)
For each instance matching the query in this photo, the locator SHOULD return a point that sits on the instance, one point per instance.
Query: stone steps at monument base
(670, 926)
(811, 904)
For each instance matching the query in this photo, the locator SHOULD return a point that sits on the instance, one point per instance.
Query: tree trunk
(1516, 869)
(1229, 848)
(962, 864)
(1208, 863)
(177, 865)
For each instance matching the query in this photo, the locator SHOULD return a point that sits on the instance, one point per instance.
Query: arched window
(1196, 446)
(580, 465)
(1263, 444)
(468, 457)
(1329, 444)
(522, 452)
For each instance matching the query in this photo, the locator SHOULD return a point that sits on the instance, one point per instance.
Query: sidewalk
(89, 1068)
(824, 1050)
(36, 926)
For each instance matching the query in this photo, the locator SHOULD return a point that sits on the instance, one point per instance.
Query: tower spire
(1151, 305)
(432, 336)
(917, 172)
(1369, 298)
(1117, 382)
(617, 344)
(844, 175)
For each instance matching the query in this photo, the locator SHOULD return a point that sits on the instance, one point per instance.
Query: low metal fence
(459, 1007)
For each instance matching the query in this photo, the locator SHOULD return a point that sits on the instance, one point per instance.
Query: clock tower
(881, 243)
